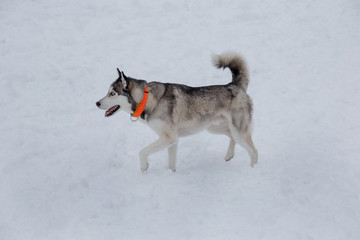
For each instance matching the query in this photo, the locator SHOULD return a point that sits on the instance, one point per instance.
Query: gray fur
(175, 110)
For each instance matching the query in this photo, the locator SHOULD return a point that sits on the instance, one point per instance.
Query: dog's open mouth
(112, 110)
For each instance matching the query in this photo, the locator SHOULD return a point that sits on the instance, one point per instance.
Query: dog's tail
(236, 64)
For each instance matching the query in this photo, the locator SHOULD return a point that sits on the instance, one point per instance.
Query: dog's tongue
(107, 113)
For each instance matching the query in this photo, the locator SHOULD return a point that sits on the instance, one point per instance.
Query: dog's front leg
(172, 156)
(156, 146)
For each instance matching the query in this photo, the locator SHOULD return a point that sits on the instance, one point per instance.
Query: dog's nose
(98, 104)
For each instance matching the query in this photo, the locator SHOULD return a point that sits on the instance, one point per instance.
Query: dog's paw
(253, 163)
(228, 157)
(144, 168)
(254, 158)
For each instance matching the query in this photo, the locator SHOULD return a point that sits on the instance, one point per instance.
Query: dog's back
(197, 107)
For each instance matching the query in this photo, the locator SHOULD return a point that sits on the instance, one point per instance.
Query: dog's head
(118, 96)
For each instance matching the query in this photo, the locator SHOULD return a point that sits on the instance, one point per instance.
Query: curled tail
(236, 64)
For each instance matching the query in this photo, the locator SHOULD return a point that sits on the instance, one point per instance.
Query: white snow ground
(66, 172)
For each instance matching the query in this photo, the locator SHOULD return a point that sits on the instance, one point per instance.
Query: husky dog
(175, 110)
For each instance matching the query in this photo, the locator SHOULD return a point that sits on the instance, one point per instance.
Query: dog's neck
(137, 95)
(140, 109)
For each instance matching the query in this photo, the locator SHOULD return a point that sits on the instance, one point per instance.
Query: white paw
(253, 162)
(254, 158)
(144, 168)
(228, 157)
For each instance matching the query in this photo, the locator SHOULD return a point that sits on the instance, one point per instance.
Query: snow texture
(66, 172)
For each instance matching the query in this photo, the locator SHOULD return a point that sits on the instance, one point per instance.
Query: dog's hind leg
(244, 139)
(231, 149)
(172, 156)
(160, 144)
(250, 147)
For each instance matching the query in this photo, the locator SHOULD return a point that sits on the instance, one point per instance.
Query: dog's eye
(112, 94)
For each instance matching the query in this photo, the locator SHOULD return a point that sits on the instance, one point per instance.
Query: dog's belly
(192, 127)
(217, 124)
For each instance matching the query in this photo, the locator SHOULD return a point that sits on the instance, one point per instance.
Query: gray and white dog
(175, 110)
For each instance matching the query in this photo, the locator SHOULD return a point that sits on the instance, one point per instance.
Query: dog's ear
(124, 80)
(124, 77)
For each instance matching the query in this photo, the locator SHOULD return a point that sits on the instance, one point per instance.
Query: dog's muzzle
(109, 111)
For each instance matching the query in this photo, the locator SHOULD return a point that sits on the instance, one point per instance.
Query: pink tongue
(107, 112)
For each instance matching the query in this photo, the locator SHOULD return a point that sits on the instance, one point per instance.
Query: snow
(66, 172)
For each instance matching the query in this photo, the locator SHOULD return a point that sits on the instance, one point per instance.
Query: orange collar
(140, 108)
